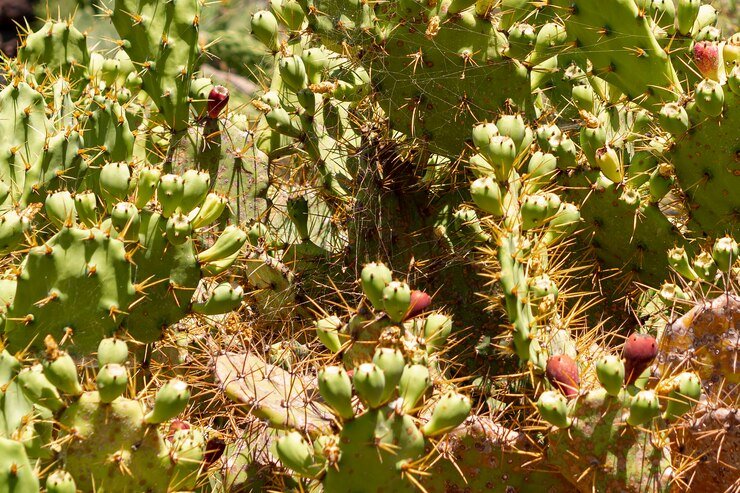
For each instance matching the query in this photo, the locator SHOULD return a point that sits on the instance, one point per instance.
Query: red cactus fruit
(639, 351)
(562, 372)
(214, 450)
(176, 426)
(706, 58)
(420, 301)
(217, 100)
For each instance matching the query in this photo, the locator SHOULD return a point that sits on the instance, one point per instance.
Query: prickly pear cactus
(162, 38)
(522, 165)
(110, 267)
(101, 439)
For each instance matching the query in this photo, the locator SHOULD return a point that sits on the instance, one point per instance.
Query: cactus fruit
(562, 372)
(639, 352)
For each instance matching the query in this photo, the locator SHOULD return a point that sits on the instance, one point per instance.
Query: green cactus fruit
(725, 252)
(592, 137)
(513, 126)
(448, 413)
(664, 12)
(392, 363)
(369, 383)
(60, 208)
(679, 261)
(265, 29)
(733, 80)
(199, 90)
(195, 188)
(553, 408)
(396, 300)
(480, 166)
(230, 241)
(374, 278)
(289, 12)
(296, 453)
(13, 227)
(86, 204)
(297, 209)
(541, 287)
(178, 228)
(534, 211)
(638, 353)
(610, 372)
(641, 165)
(487, 195)
(661, 181)
(308, 99)
(293, 73)
(187, 455)
(60, 481)
(352, 84)
(112, 350)
(316, 61)
(146, 185)
(171, 400)
(681, 393)
(553, 204)
(565, 222)
(115, 180)
(707, 17)
(16, 472)
(670, 292)
(686, 14)
(211, 209)
(608, 161)
(674, 118)
(565, 151)
(501, 153)
(483, 133)
(336, 389)
(522, 37)
(271, 99)
(414, 382)
(644, 407)
(540, 171)
(584, 97)
(280, 121)
(550, 39)
(466, 224)
(170, 193)
(112, 380)
(37, 388)
(217, 267)
(545, 133)
(125, 220)
(60, 369)
(705, 267)
(562, 373)
(437, 328)
(259, 234)
(224, 298)
(709, 97)
(327, 330)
